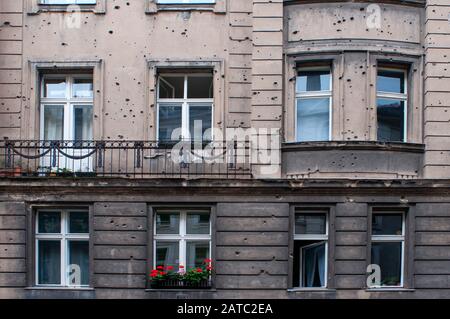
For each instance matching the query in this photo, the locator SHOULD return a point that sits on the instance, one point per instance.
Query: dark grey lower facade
(252, 238)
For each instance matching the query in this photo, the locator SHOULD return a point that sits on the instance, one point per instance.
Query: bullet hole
(110, 31)
(117, 7)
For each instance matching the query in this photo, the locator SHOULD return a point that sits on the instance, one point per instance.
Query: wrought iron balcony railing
(131, 159)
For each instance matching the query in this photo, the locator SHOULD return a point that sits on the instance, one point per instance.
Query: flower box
(179, 284)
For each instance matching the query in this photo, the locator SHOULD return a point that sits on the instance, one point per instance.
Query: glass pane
(198, 223)
(168, 223)
(313, 119)
(387, 224)
(78, 263)
(391, 81)
(196, 253)
(171, 87)
(313, 265)
(53, 122)
(83, 122)
(49, 222)
(200, 87)
(83, 88)
(79, 223)
(389, 257)
(169, 122)
(167, 254)
(307, 224)
(313, 81)
(55, 88)
(199, 122)
(390, 117)
(49, 262)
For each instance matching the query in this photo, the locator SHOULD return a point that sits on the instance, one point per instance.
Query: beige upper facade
(255, 49)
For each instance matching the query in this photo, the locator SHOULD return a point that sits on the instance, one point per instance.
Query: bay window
(181, 237)
(185, 107)
(62, 248)
(311, 249)
(314, 103)
(392, 104)
(388, 246)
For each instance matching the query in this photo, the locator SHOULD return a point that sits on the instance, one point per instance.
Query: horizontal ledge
(59, 289)
(180, 290)
(353, 145)
(323, 290)
(390, 290)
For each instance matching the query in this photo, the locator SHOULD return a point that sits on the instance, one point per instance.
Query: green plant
(192, 276)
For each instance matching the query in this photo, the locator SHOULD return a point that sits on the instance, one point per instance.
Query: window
(62, 248)
(392, 102)
(182, 238)
(185, 1)
(68, 2)
(66, 107)
(314, 96)
(311, 249)
(185, 107)
(388, 246)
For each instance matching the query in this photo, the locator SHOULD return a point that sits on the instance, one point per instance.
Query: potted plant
(64, 172)
(194, 278)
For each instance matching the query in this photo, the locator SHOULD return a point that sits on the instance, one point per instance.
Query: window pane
(389, 257)
(387, 224)
(391, 81)
(169, 120)
(200, 121)
(390, 117)
(83, 88)
(313, 119)
(49, 262)
(308, 224)
(83, 122)
(49, 223)
(313, 265)
(171, 87)
(53, 122)
(200, 87)
(198, 223)
(168, 223)
(55, 88)
(313, 81)
(79, 257)
(167, 254)
(79, 223)
(196, 253)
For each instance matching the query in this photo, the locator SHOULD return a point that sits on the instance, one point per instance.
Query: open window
(313, 103)
(310, 249)
(185, 106)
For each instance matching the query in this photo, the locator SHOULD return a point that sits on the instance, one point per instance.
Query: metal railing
(129, 159)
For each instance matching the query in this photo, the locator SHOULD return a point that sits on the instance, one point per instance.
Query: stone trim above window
(36, 7)
(153, 7)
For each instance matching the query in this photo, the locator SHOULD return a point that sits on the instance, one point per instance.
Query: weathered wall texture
(437, 90)
(10, 67)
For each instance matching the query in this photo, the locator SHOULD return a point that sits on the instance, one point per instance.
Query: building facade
(302, 146)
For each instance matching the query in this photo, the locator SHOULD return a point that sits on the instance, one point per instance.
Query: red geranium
(199, 270)
(169, 268)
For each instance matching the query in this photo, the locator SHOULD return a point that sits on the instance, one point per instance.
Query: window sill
(354, 145)
(393, 289)
(311, 290)
(181, 290)
(60, 288)
(35, 8)
(219, 7)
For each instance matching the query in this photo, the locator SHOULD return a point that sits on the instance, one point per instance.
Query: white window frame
(392, 239)
(315, 94)
(403, 97)
(321, 238)
(184, 103)
(69, 103)
(64, 237)
(182, 237)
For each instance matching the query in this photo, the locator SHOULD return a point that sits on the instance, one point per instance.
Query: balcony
(124, 159)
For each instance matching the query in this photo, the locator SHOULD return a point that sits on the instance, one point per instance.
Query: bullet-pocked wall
(354, 41)
(120, 41)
